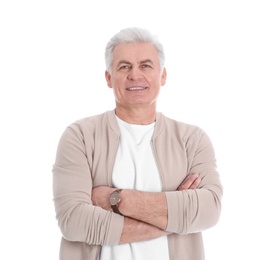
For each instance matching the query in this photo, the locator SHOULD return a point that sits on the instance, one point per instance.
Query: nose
(134, 74)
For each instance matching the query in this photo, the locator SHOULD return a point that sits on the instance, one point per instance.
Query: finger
(188, 182)
(196, 183)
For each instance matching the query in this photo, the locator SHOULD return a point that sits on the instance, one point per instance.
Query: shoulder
(179, 128)
(188, 134)
(85, 127)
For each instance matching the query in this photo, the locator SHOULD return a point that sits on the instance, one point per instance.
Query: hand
(190, 182)
(101, 195)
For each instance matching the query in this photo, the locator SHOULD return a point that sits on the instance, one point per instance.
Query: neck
(138, 116)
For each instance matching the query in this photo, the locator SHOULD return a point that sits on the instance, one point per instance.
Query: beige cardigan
(85, 159)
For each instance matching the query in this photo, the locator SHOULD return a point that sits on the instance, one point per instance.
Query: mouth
(136, 88)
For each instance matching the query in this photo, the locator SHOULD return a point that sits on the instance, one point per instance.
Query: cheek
(118, 81)
(118, 86)
(156, 80)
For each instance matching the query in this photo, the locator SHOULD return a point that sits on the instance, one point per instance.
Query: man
(131, 183)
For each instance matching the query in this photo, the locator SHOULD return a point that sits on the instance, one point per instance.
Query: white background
(52, 73)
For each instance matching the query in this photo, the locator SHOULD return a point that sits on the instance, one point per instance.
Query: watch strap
(115, 209)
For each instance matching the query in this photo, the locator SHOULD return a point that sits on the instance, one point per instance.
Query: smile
(136, 88)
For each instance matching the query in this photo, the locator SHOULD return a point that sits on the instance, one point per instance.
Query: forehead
(135, 52)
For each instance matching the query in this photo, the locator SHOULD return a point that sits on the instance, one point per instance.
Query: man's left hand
(101, 195)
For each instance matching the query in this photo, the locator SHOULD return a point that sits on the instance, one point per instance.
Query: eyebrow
(147, 61)
(141, 62)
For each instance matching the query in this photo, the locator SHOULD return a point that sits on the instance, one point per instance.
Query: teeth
(136, 88)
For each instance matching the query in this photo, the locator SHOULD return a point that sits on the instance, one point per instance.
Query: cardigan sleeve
(77, 218)
(191, 211)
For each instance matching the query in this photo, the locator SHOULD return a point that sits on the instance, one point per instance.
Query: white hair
(133, 35)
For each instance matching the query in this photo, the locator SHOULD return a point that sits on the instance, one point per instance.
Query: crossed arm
(146, 213)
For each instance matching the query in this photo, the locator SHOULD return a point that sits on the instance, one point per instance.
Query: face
(135, 75)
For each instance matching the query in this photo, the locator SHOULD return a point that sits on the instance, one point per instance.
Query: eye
(146, 66)
(124, 67)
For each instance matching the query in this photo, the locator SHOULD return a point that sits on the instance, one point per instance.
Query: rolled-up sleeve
(78, 219)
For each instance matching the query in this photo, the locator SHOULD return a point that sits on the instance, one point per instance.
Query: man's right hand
(190, 182)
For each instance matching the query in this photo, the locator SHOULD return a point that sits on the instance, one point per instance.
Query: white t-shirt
(135, 168)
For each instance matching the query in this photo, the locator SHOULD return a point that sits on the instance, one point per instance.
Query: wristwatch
(115, 200)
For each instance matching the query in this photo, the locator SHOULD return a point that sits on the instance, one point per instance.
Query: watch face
(114, 198)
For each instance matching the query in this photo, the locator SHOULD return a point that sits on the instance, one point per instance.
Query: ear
(163, 77)
(108, 78)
